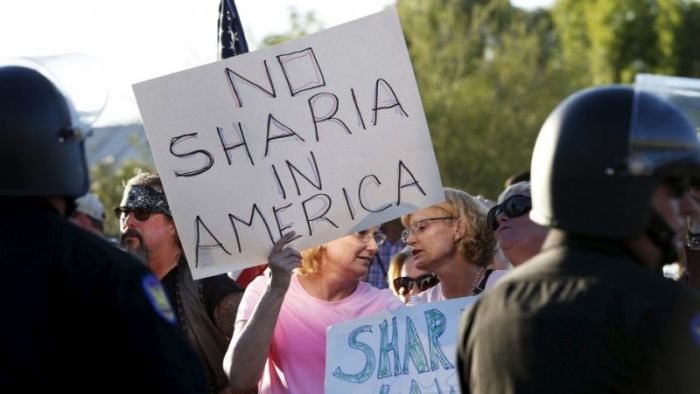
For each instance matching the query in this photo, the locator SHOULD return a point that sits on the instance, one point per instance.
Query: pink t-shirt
(297, 359)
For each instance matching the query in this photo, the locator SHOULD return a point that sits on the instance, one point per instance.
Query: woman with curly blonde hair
(452, 239)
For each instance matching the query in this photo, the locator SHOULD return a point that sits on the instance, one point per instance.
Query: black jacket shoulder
(86, 316)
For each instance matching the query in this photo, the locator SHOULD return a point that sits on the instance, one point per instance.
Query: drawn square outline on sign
(301, 70)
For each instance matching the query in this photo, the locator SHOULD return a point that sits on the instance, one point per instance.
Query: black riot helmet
(599, 156)
(41, 152)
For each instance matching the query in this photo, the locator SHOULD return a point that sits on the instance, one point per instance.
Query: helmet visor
(664, 126)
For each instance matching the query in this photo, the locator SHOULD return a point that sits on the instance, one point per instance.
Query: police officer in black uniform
(592, 312)
(78, 314)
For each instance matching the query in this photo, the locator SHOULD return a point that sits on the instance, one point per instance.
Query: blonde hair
(311, 261)
(478, 245)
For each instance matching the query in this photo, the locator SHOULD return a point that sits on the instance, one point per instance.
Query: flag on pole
(231, 37)
(231, 43)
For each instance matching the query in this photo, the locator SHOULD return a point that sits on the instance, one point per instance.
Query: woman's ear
(460, 229)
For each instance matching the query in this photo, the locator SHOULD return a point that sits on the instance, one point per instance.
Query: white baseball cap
(90, 205)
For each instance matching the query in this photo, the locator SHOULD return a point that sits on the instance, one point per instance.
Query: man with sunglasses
(204, 308)
(592, 312)
(79, 315)
(519, 238)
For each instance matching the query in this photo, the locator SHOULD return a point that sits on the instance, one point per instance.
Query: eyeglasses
(512, 207)
(140, 214)
(404, 284)
(418, 225)
(366, 236)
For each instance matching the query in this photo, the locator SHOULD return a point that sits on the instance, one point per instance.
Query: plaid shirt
(376, 276)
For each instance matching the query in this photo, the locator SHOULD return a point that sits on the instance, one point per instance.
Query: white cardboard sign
(409, 350)
(324, 135)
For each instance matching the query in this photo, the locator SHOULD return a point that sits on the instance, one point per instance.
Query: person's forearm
(248, 351)
(245, 359)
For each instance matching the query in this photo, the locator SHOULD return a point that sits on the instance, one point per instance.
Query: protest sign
(410, 350)
(324, 136)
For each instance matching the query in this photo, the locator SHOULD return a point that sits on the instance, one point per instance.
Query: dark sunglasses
(140, 214)
(512, 207)
(404, 284)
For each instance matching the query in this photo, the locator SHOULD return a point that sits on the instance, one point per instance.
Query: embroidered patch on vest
(695, 328)
(156, 295)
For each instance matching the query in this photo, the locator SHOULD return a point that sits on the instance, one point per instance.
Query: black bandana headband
(142, 197)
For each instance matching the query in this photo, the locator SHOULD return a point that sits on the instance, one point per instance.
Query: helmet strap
(663, 236)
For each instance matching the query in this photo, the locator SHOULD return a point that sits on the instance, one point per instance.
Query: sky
(115, 44)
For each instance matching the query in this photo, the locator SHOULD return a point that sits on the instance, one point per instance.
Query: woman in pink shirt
(279, 342)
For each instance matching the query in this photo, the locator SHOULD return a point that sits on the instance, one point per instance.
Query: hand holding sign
(282, 262)
(324, 135)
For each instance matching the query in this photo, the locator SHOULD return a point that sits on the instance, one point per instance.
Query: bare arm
(246, 355)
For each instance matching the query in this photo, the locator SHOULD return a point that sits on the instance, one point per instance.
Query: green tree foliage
(489, 74)
(613, 40)
(687, 43)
